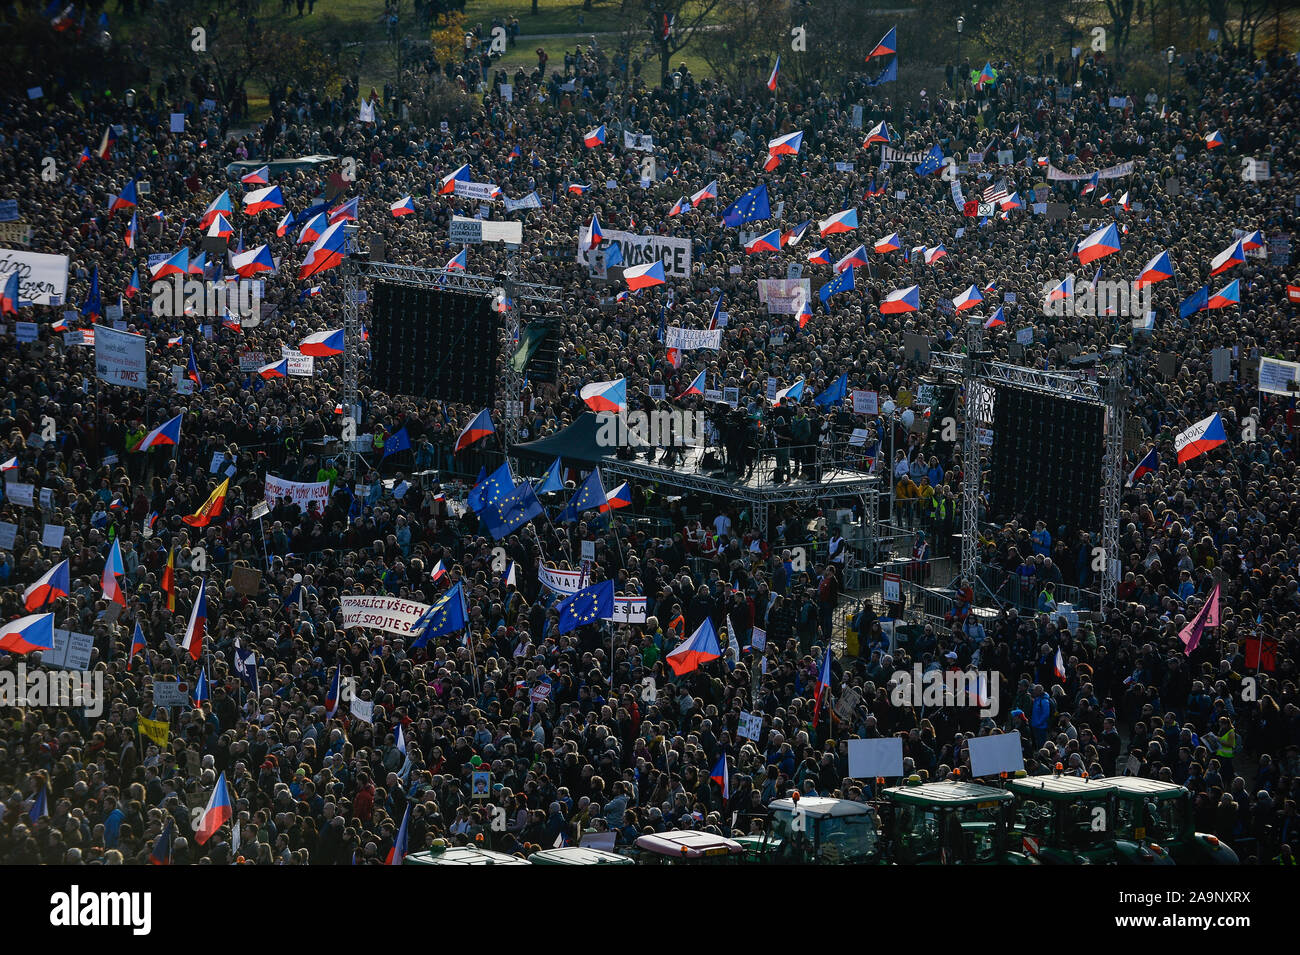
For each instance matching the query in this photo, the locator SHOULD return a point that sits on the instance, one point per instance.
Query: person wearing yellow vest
(1227, 745)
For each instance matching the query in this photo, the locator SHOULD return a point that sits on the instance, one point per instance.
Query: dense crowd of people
(622, 744)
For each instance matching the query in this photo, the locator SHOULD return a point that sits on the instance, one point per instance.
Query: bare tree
(673, 28)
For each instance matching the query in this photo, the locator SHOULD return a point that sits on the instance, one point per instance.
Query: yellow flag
(210, 508)
(156, 730)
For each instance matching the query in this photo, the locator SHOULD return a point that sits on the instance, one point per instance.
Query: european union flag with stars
(751, 207)
(491, 489)
(513, 511)
(932, 161)
(446, 616)
(587, 606)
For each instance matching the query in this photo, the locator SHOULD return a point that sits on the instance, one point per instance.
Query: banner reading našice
(1110, 172)
(300, 492)
(686, 339)
(674, 253)
(392, 614)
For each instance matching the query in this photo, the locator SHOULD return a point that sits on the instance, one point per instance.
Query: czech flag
(1100, 244)
(324, 344)
(258, 177)
(1064, 290)
(447, 184)
(133, 283)
(438, 572)
(592, 235)
(259, 200)
(888, 45)
(198, 624)
(787, 145)
(220, 228)
(137, 646)
(792, 237)
(1157, 270)
(701, 647)
(314, 229)
(54, 583)
(478, 428)
(708, 192)
(696, 387)
(873, 190)
(968, 299)
(1123, 202)
(216, 814)
(9, 297)
(595, 137)
(879, 133)
(403, 207)
(768, 242)
(398, 852)
(1058, 666)
(458, 261)
(345, 211)
(169, 432)
(332, 694)
(845, 221)
(605, 395)
(84, 157)
(199, 265)
(192, 370)
(794, 393)
(25, 634)
(889, 243)
(277, 369)
(1232, 256)
(219, 206)
(771, 80)
(820, 256)
(805, 310)
(855, 259)
(1146, 466)
(162, 847)
(210, 508)
(1203, 436)
(902, 300)
(1214, 139)
(247, 264)
(1253, 241)
(680, 206)
(823, 685)
(10, 465)
(124, 201)
(719, 776)
(112, 569)
(996, 320)
(1011, 202)
(178, 264)
(1230, 294)
(106, 143)
(577, 188)
(618, 498)
(283, 227)
(325, 253)
(932, 256)
(644, 276)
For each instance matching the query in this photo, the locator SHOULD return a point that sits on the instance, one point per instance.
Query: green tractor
(1068, 820)
(1158, 815)
(817, 830)
(950, 823)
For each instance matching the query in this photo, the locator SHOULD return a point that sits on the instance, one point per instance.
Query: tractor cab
(950, 823)
(819, 830)
(1155, 814)
(1069, 820)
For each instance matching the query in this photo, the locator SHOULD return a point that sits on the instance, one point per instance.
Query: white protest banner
(674, 253)
(363, 709)
(890, 588)
(750, 726)
(120, 358)
(687, 339)
(642, 142)
(52, 536)
(71, 651)
(26, 331)
(629, 610)
(40, 277)
(376, 612)
(1275, 374)
(758, 640)
(866, 402)
(784, 296)
(992, 755)
(1110, 172)
(252, 360)
(958, 199)
(299, 492)
(530, 201)
(1025, 336)
(8, 534)
(19, 493)
(167, 692)
(890, 154)
(300, 365)
(483, 191)
(560, 581)
(874, 758)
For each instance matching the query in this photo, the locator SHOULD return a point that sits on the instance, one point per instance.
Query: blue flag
(1195, 302)
(589, 497)
(398, 441)
(587, 606)
(889, 75)
(554, 479)
(751, 207)
(834, 395)
(841, 283)
(515, 509)
(491, 489)
(932, 161)
(445, 616)
(246, 667)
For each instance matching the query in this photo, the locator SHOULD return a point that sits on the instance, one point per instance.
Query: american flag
(995, 193)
